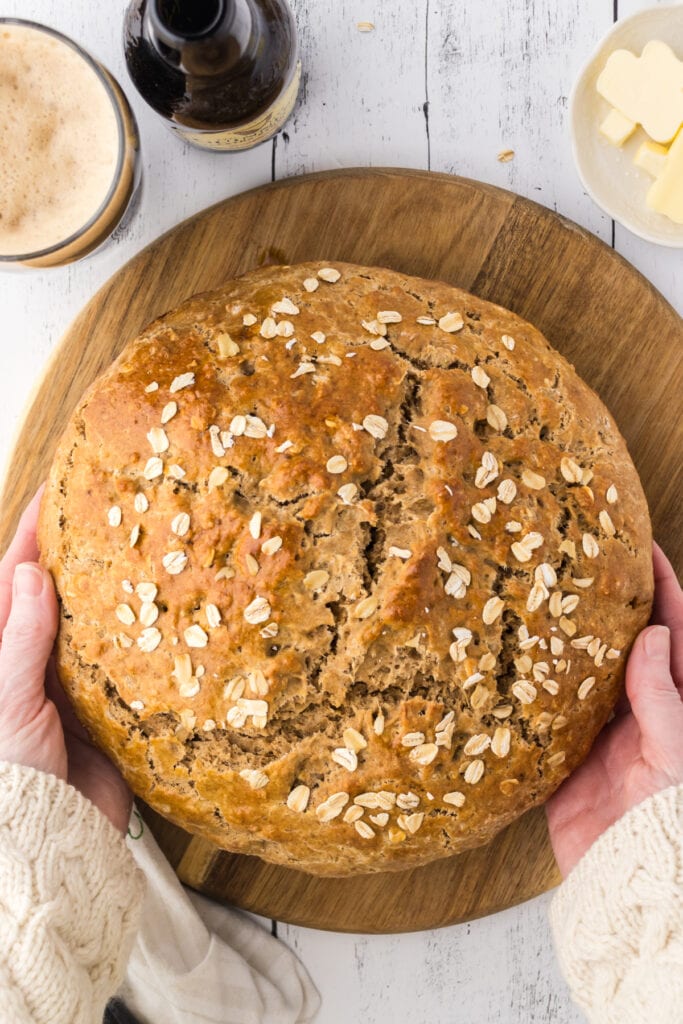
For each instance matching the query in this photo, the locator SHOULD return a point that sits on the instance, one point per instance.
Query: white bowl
(608, 173)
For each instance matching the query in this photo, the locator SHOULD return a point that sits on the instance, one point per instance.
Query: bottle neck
(176, 23)
(200, 37)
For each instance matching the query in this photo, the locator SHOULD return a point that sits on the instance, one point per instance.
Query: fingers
(655, 701)
(22, 549)
(668, 609)
(27, 643)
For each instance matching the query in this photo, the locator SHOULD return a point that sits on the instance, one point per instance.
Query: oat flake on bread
(377, 562)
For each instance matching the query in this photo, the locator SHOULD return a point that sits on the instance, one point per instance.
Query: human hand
(38, 727)
(641, 751)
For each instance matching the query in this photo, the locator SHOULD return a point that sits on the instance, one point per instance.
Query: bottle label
(253, 132)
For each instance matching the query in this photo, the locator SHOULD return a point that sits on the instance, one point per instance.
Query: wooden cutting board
(624, 339)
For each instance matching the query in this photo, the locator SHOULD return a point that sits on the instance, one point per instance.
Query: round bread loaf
(349, 566)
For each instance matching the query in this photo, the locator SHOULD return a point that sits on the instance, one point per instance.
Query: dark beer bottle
(223, 73)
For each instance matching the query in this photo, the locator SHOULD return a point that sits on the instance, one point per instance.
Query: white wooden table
(440, 84)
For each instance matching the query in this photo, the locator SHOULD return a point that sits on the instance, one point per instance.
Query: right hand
(641, 751)
(38, 727)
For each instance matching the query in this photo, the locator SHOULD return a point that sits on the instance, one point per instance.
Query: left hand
(38, 727)
(640, 752)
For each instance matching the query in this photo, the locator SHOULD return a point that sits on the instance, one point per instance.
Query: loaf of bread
(349, 566)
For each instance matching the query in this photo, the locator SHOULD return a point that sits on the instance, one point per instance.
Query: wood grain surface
(624, 339)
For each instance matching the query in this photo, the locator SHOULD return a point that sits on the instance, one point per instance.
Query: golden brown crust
(475, 495)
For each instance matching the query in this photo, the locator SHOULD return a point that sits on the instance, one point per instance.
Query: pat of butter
(651, 157)
(666, 193)
(646, 89)
(617, 128)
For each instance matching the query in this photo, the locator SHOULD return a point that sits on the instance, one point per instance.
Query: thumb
(655, 701)
(27, 643)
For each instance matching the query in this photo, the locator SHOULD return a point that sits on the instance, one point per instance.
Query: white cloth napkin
(198, 962)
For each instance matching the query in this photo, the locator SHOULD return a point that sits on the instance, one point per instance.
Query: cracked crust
(368, 643)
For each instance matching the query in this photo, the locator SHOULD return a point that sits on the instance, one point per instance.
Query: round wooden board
(622, 336)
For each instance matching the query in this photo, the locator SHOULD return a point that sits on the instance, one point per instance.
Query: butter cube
(617, 128)
(651, 157)
(666, 193)
(646, 89)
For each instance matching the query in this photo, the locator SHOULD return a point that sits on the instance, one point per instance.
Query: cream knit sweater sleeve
(70, 895)
(617, 918)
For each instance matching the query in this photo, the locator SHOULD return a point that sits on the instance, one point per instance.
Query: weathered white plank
(500, 970)
(361, 102)
(499, 77)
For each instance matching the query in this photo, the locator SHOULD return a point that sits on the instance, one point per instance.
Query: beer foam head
(59, 139)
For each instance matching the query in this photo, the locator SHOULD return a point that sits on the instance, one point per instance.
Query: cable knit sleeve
(70, 895)
(617, 918)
